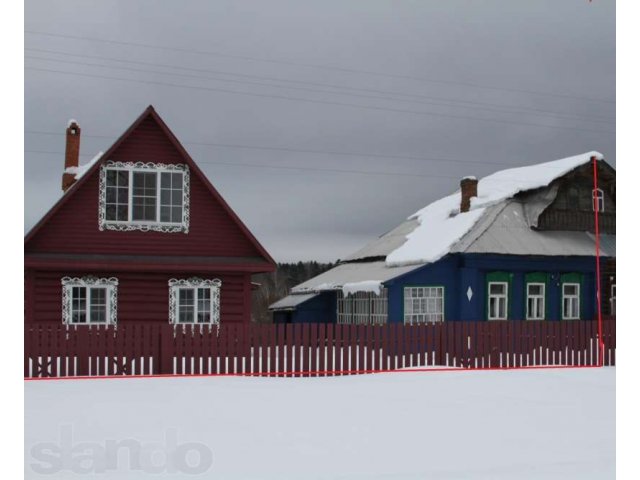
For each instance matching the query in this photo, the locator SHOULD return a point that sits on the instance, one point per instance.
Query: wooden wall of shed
(562, 215)
(142, 297)
(74, 228)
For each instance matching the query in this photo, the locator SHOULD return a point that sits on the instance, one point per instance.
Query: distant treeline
(276, 285)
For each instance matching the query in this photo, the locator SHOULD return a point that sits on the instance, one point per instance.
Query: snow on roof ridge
(441, 225)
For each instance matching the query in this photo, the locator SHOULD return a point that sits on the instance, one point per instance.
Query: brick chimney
(468, 190)
(72, 153)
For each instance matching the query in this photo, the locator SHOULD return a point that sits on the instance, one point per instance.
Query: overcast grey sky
(494, 84)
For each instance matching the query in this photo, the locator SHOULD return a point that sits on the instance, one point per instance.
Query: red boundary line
(332, 373)
(598, 286)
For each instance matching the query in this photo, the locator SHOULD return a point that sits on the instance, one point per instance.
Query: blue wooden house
(516, 245)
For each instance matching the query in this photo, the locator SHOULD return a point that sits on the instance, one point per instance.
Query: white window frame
(128, 225)
(362, 308)
(612, 300)
(500, 297)
(575, 297)
(597, 199)
(421, 304)
(111, 286)
(539, 298)
(175, 285)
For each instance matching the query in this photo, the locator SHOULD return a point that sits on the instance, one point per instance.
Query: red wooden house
(140, 235)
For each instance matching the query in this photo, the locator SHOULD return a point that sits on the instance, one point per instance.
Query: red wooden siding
(142, 297)
(74, 227)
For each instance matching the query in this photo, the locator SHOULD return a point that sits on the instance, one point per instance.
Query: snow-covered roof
(488, 236)
(440, 228)
(349, 277)
(80, 170)
(292, 301)
(440, 225)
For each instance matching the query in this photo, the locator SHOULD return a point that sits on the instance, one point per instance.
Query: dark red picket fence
(309, 349)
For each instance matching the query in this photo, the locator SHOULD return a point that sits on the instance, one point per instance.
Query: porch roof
(350, 273)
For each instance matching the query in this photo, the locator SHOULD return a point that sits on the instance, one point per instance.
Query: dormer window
(144, 196)
(598, 200)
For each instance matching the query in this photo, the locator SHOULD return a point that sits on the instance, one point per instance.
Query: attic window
(144, 196)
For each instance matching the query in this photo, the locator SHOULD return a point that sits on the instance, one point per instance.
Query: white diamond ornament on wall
(469, 293)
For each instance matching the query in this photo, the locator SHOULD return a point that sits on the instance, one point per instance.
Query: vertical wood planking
(329, 342)
(340, 351)
(322, 337)
(313, 338)
(285, 357)
(297, 342)
(306, 347)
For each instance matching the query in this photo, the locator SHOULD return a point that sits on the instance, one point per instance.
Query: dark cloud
(566, 49)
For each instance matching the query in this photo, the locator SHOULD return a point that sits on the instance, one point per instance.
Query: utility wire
(500, 108)
(300, 150)
(323, 102)
(318, 66)
(314, 169)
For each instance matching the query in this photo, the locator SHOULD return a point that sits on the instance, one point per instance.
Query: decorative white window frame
(194, 283)
(421, 314)
(362, 308)
(539, 297)
(111, 284)
(501, 297)
(145, 226)
(612, 300)
(576, 297)
(597, 199)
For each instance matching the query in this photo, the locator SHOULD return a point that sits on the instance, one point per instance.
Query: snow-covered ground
(537, 424)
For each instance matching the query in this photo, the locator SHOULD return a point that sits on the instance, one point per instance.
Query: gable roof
(86, 171)
(440, 228)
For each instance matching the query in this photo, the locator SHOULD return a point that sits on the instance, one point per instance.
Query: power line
(317, 66)
(311, 151)
(323, 102)
(288, 167)
(56, 153)
(500, 108)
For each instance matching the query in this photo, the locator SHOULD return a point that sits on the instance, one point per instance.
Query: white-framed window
(423, 304)
(570, 301)
(144, 196)
(362, 308)
(89, 301)
(612, 299)
(535, 301)
(498, 300)
(598, 199)
(194, 301)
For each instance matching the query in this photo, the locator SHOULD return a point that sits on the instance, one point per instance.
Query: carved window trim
(145, 226)
(194, 283)
(111, 285)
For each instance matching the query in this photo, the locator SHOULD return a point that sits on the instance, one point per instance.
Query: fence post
(165, 349)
